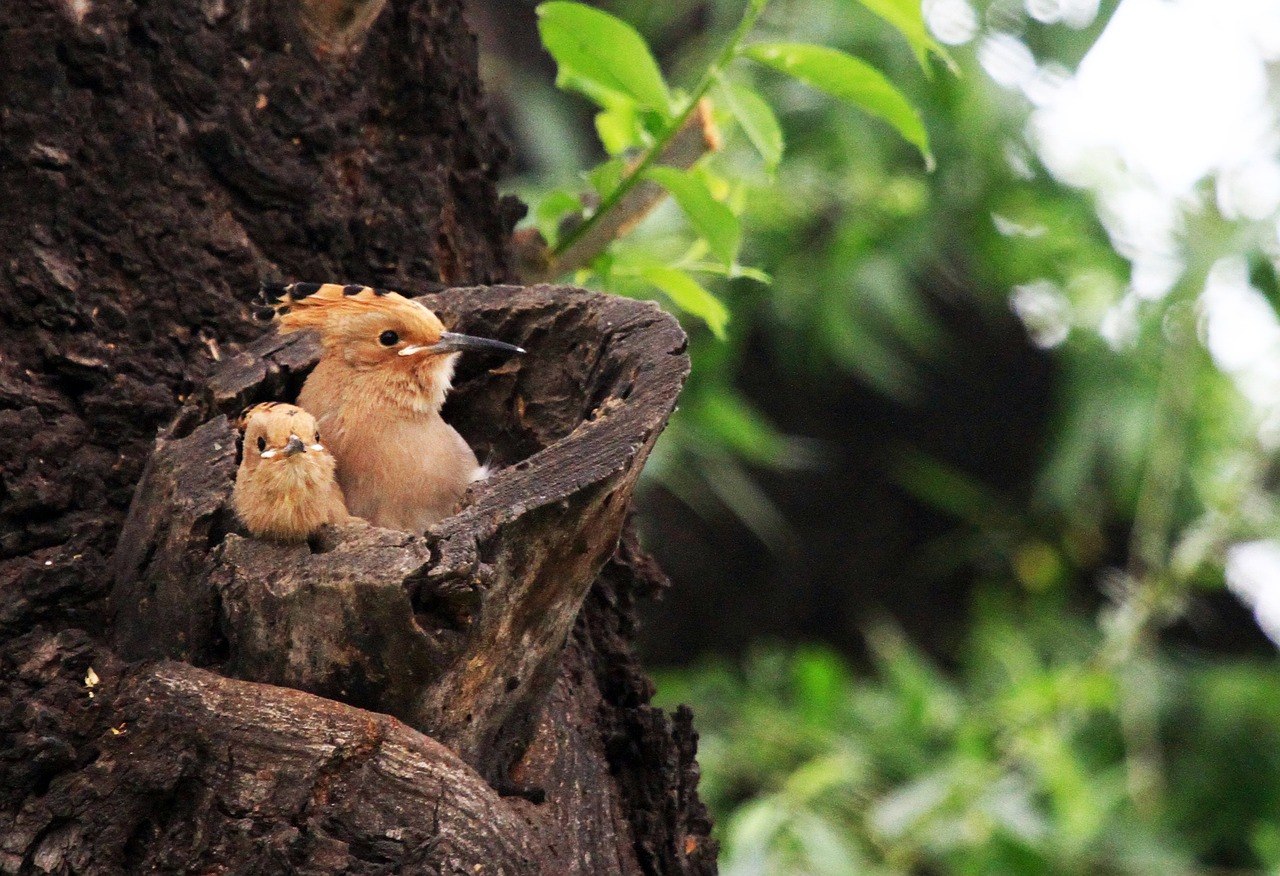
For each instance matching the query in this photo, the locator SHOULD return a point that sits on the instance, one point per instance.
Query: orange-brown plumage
(285, 487)
(377, 393)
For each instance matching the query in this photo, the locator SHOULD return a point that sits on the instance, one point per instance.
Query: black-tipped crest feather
(302, 290)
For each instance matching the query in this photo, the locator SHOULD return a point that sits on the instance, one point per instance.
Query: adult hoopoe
(385, 369)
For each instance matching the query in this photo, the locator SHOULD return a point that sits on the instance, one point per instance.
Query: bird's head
(284, 437)
(398, 346)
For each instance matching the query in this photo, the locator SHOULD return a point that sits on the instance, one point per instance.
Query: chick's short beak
(294, 446)
(452, 342)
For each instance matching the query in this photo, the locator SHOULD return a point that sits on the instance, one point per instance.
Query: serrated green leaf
(844, 76)
(757, 120)
(595, 48)
(689, 295)
(908, 18)
(713, 220)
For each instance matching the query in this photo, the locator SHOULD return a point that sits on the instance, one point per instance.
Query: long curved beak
(452, 342)
(294, 446)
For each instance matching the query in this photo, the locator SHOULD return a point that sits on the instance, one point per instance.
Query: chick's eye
(262, 444)
(388, 338)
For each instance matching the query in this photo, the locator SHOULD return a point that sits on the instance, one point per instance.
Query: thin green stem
(636, 173)
(1153, 517)
(1154, 595)
(1157, 593)
(1164, 476)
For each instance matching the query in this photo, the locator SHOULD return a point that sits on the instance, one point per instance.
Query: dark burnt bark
(157, 161)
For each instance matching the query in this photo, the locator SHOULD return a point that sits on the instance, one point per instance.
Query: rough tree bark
(157, 161)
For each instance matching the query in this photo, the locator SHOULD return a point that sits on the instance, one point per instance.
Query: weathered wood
(169, 768)
(194, 772)
(598, 386)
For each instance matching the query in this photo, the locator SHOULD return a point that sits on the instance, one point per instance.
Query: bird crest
(322, 306)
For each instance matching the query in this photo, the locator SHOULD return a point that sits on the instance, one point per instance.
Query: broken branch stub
(457, 632)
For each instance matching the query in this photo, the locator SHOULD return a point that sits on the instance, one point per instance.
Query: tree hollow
(457, 632)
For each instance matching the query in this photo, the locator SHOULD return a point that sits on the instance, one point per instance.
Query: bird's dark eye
(262, 444)
(388, 338)
(317, 441)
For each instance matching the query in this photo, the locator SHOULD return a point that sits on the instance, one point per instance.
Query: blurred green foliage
(1013, 763)
(1064, 740)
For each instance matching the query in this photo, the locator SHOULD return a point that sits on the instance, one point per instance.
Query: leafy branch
(657, 138)
(650, 155)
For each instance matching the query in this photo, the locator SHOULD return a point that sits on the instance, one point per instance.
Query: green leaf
(757, 120)
(844, 76)
(594, 48)
(908, 18)
(604, 178)
(691, 297)
(713, 220)
(596, 92)
(618, 127)
(733, 272)
(950, 490)
(736, 424)
(552, 209)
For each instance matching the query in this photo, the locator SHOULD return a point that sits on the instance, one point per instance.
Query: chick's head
(285, 489)
(280, 435)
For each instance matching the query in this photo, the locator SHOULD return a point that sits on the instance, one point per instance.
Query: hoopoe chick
(386, 366)
(285, 488)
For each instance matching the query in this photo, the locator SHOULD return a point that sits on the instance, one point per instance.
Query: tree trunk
(157, 161)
